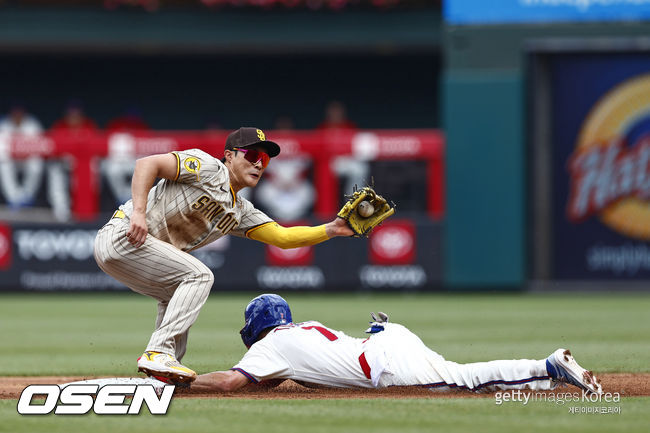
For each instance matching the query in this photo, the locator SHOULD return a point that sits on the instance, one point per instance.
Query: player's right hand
(138, 230)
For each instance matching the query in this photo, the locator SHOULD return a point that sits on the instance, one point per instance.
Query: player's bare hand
(138, 230)
(338, 227)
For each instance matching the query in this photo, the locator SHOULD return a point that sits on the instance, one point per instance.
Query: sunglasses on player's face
(254, 156)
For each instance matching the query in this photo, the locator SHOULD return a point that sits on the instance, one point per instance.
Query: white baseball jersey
(311, 352)
(308, 352)
(199, 206)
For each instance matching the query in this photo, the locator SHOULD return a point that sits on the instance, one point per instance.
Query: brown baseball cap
(247, 136)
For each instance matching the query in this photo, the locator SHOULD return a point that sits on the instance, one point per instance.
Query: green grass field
(104, 334)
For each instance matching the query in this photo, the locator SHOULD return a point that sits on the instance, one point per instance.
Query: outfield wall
(80, 179)
(403, 254)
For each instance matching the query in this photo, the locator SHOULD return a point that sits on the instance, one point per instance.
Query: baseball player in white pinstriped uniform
(312, 353)
(145, 245)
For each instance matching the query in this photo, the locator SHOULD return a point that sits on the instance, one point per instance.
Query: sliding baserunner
(311, 353)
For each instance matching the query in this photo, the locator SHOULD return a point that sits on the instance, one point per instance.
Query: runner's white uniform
(313, 353)
(196, 208)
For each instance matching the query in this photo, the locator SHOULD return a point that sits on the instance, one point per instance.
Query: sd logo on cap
(246, 136)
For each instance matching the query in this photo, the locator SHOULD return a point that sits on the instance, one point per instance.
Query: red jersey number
(326, 332)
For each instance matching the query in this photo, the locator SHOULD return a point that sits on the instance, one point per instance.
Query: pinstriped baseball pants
(177, 280)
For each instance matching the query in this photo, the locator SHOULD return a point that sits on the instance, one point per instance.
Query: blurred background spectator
(336, 117)
(74, 120)
(19, 121)
(284, 122)
(21, 181)
(130, 121)
(214, 125)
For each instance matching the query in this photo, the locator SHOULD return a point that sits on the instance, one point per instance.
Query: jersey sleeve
(263, 361)
(250, 218)
(194, 166)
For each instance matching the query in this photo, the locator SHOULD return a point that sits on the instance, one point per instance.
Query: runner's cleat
(562, 367)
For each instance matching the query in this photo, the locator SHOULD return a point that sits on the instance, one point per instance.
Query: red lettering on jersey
(282, 328)
(326, 332)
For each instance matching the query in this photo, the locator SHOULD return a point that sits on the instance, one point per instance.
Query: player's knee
(202, 280)
(206, 276)
(210, 277)
(201, 276)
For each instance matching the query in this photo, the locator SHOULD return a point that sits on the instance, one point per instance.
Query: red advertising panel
(5, 246)
(393, 243)
(301, 256)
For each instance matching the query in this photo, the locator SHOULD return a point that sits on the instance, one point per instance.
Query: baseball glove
(362, 226)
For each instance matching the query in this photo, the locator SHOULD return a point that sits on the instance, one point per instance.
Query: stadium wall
(486, 105)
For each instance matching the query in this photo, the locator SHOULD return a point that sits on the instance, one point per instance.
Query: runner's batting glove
(362, 226)
(378, 322)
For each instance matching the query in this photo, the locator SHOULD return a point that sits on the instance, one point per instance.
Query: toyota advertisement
(601, 166)
(399, 255)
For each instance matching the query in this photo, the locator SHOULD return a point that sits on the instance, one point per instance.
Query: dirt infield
(627, 384)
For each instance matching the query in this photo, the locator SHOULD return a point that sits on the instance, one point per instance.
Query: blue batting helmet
(264, 312)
